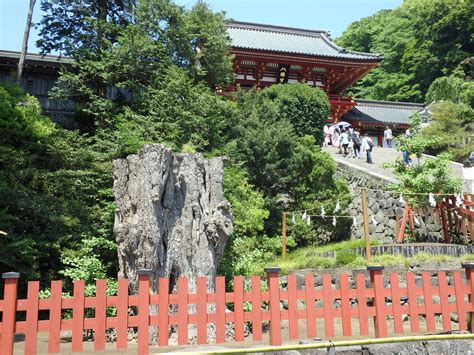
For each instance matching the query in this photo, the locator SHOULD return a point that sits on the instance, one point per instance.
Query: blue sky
(329, 15)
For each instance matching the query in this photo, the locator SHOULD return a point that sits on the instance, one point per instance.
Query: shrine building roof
(254, 36)
(383, 112)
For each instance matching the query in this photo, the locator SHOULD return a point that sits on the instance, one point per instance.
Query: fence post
(273, 282)
(9, 311)
(469, 268)
(376, 279)
(143, 310)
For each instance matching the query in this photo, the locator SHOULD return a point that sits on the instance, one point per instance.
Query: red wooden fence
(460, 220)
(455, 220)
(421, 300)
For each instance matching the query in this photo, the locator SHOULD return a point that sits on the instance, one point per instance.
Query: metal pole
(368, 254)
(283, 233)
(392, 340)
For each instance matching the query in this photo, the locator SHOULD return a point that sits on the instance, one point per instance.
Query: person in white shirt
(388, 136)
(344, 140)
(367, 146)
(327, 136)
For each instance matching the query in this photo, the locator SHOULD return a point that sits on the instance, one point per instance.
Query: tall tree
(159, 47)
(24, 47)
(420, 40)
(82, 28)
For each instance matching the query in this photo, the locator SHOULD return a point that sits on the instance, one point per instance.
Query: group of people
(349, 142)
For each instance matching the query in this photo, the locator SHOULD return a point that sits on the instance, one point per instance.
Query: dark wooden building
(39, 75)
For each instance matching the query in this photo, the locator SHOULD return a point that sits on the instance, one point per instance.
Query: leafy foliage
(247, 204)
(290, 170)
(165, 44)
(145, 72)
(53, 189)
(451, 88)
(421, 40)
(73, 27)
(304, 107)
(415, 143)
(452, 100)
(428, 175)
(452, 123)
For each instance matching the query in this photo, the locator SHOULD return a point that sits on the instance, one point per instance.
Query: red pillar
(273, 281)
(380, 140)
(9, 311)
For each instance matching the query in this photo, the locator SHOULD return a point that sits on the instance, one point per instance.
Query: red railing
(324, 303)
(459, 220)
(454, 219)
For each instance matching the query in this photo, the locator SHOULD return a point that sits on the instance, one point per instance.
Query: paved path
(380, 156)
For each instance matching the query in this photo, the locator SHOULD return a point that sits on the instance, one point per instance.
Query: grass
(309, 258)
(467, 257)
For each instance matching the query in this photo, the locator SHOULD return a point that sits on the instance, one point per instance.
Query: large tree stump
(171, 215)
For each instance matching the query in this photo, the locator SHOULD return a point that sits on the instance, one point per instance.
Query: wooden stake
(442, 213)
(368, 254)
(397, 220)
(283, 233)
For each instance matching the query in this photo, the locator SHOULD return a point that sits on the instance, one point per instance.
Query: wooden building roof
(382, 113)
(33, 61)
(290, 40)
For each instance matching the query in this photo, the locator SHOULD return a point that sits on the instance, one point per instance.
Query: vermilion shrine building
(265, 55)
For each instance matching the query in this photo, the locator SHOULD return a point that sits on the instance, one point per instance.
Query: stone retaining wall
(417, 268)
(382, 205)
(409, 250)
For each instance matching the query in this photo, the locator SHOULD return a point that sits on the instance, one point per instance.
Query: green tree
(451, 88)
(290, 171)
(249, 215)
(306, 108)
(452, 123)
(78, 28)
(420, 40)
(54, 189)
(164, 43)
(426, 175)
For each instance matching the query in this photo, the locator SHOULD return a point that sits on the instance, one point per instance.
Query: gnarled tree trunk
(171, 215)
